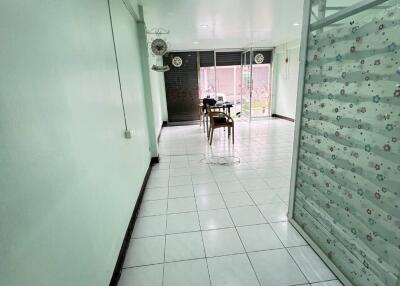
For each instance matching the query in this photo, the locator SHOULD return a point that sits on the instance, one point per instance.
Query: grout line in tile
(237, 233)
(213, 256)
(202, 240)
(165, 236)
(218, 228)
(283, 245)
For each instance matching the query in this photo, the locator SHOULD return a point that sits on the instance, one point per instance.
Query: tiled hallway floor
(204, 224)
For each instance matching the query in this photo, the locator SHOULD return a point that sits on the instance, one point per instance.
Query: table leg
(229, 113)
(207, 125)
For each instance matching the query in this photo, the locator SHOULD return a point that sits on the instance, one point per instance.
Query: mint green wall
(285, 79)
(69, 179)
(144, 57)
(158, 92)
(135, 7)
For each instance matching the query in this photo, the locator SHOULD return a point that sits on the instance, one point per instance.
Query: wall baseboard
(339, 275)
(164, 124)
(282, 117)
(183, 123)
(125, 244)
(154, 160)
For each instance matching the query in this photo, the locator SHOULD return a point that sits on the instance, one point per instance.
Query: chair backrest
(208, 102)
(217, 117)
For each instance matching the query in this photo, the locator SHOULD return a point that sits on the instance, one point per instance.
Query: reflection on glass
(247, 86)
(261, 93)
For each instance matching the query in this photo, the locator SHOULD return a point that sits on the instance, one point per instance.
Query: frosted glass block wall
(347, 191)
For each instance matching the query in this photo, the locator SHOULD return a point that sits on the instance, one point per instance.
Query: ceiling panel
(229, 23)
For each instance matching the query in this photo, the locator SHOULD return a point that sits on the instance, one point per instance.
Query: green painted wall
(158, 92)
(144, 56)
(285, 79)
(69, 179)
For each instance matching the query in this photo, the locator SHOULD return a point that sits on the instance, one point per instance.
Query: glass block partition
(346, 191)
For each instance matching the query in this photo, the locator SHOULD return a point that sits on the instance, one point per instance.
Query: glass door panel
(261, 90)
(229, 85)
(207, 82)
(236, 77)
(246, 85)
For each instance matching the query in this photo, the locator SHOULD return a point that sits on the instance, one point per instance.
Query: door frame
(270, 79)
(243, 63)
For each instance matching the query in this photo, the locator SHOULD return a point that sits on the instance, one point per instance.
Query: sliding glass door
(260, 84)
(220, 77)
(256, 83)
(239, 77)
(246, 85)
(228, 81)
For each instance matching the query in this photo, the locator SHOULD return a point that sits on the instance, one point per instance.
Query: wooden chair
(206, 102)
(220, 119)
(201, 114)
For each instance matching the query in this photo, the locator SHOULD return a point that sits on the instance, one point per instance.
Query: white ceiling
(231, 23)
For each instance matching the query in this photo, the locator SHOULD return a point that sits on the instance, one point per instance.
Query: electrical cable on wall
(116, 61)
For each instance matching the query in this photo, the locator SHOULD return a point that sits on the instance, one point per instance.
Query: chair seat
(229, 124)
(220, 120)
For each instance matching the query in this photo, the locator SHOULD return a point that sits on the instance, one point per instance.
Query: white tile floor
(205, 224)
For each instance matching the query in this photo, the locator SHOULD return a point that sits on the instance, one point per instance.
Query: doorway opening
(223, 83)
(256, 87)
(241, 80)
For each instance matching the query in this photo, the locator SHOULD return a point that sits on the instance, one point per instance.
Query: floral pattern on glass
(347, 195)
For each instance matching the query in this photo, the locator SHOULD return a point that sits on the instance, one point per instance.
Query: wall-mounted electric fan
(159, 47)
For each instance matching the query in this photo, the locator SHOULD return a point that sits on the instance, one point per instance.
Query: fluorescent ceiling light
(204, 26)
(296, 24)
(196, 42)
